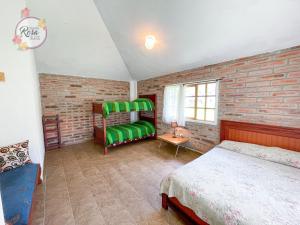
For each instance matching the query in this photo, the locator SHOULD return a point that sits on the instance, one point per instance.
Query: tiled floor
(82, 186)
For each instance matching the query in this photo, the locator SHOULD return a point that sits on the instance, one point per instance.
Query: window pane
(189, 112)
(210, 114)
(211, 102)
(190, 91)
(201, 90)
(211, 89)
(201, 102)
(200, 114)
(189, 102)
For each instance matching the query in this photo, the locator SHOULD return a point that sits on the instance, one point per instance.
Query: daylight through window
(201, 101)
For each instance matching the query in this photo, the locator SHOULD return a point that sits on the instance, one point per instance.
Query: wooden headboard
(267, 135)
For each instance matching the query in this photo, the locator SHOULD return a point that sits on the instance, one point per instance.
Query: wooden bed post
(39, 180)
(153, 119)
(94, 119)
(105, 152)
(164, 201)
(94, 123)
(104, 135)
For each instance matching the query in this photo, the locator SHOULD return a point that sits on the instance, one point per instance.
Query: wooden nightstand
(177, 141)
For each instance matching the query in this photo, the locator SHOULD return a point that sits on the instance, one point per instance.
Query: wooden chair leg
(164, 201)
(105, 151)
(39, 180)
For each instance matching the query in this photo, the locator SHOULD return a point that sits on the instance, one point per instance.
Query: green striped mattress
(140, 104)
(127, 132)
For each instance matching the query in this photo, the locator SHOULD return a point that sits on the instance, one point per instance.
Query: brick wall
(261, 89)
(71, 97)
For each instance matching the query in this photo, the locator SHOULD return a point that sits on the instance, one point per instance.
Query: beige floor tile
(86, 208)
(114, 216)
(56, 187)
(84, 187)
(61, 194)
(37, 221)
(65, 219)
(81, 196)
(95, 219)
(53, 210)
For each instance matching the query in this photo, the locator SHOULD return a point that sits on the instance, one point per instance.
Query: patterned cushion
(14, 156)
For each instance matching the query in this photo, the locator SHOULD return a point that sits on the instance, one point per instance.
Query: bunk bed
(112, 136)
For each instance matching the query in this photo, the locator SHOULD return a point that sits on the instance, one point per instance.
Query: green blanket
(127, 132)
(140, 104)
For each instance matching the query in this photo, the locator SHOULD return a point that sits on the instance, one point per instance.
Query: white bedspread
(226, 187)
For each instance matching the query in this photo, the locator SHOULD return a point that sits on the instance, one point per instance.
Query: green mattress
(127, 132)
(140, 104)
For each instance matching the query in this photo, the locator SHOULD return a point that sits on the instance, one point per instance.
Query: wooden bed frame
(38, 181)
(267, 135)
(100, 132)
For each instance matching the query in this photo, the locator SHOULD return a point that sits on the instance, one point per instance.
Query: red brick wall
(261, 89)
(71, 97)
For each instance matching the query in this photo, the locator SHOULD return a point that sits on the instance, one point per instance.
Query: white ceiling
(190, 33)
(197, 32)
(78, 41)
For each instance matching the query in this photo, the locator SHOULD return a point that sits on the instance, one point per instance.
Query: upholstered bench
(17, 188)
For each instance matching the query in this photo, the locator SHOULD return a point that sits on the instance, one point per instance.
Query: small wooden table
(178, 141)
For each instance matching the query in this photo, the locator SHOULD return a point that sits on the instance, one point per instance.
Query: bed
(112, 136)
(124, 133)
(241, 181)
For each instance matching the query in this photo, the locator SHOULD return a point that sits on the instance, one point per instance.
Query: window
(173, 104)
(201, 102)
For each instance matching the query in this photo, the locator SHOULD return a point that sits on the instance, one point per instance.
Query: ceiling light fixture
(150, 42)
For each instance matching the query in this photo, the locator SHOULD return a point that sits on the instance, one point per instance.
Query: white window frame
(215, 122)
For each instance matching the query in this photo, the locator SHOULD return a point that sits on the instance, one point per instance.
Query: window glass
(200, 114)
(189, 102)
(190, 91)
(201, 89)
(201, 102)
(210, 114)
(211, 89)
(189, 112)
(211, 102)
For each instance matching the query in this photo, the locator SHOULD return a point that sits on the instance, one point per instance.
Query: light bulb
(150, 42)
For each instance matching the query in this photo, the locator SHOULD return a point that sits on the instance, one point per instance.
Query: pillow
(273, 154)
(14, 156)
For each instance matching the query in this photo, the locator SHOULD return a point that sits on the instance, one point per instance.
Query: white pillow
(274, 154)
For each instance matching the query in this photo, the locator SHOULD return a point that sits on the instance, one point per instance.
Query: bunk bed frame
(100, 132)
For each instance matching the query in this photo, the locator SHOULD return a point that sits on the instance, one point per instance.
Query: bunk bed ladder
(51, 127)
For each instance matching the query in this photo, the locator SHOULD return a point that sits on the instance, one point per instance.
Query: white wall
(20, 106)
(193, 33)
(133, 96)
(78, 41)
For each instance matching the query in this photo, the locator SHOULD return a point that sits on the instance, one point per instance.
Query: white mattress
(226, 187)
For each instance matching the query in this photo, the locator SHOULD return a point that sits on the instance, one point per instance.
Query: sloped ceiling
(197, 32)
(78, 41)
